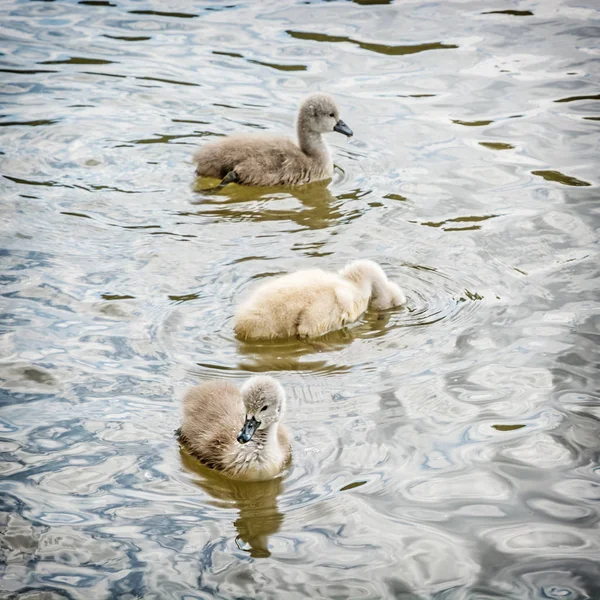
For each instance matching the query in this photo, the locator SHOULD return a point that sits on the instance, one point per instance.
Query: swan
(237, 431)
(312, 302)
(267, 160)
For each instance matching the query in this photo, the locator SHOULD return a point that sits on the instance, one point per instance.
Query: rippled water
(446, 451)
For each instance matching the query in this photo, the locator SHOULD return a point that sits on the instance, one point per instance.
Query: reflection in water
(259, 515)
(379, 48)
(560, 178)
(302, 355)
(320, 208)
(455, 224)
(178, 15)
(497, 145)
(290, 355)
(276, 66)
(514, 13)
(472, 123)
(579, 98)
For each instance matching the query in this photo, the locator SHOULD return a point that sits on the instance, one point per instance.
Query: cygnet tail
(213, 160)
(251, 326)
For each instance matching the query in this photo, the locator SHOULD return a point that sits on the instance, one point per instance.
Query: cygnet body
(313, 302)
(237, 431)
(265, 160)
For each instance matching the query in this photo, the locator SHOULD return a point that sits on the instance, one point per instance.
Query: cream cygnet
(313, 302)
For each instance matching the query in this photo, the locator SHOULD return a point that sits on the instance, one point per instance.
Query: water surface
(446, 451)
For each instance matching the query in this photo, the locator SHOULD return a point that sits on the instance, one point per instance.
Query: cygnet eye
(332, 114)
(264, 408)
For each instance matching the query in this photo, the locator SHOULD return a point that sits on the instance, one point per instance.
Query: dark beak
(341, 127)
(250, 426)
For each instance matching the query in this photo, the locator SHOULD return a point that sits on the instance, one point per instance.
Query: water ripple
(447, 449)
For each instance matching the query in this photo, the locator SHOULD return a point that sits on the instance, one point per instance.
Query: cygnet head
(264, 400)
(388, 296)
(319, 113)
(384, 293)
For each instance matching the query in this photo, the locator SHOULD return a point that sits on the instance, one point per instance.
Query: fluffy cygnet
(237, 431)
(265, 160)
(313, 302)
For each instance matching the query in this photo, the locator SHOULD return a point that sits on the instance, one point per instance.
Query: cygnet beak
(250, 426)
(341, 127)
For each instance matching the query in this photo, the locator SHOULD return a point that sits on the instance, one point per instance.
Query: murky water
(445, 451)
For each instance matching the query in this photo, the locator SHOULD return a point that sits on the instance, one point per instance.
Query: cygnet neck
(379, 287)
(368, 276)
(311, 142)
(264, 437)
